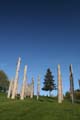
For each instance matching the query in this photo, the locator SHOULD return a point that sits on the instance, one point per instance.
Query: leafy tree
(67, 95)
(49, 84)
(4, 82)
(76, 94)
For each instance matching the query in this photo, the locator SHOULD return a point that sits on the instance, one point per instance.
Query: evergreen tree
(49, 84)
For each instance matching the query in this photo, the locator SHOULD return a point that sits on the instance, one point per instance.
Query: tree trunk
(49, 93)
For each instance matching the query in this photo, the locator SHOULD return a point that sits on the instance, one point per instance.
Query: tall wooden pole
(16, 79)
(60, 94)
(10, 88)
(79, 84)
(22, 96)
(38, 87)
(71, 84)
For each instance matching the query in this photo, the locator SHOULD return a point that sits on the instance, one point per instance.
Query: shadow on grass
(47, 99)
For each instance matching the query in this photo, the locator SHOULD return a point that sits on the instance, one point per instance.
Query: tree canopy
(4, 82)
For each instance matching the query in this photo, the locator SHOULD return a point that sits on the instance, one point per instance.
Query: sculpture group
(28, 89)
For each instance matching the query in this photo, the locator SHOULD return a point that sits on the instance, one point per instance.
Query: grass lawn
(44, 109)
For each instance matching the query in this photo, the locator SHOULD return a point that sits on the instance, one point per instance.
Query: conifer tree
(49, 84)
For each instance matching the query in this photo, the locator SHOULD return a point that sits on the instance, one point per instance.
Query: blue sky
(44, 33)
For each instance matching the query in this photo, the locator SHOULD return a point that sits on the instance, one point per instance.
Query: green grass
(44, 109)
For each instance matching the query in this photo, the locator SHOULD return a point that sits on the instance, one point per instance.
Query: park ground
(44, 109)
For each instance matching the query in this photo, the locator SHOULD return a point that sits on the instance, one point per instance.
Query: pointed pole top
(59, 67)
(71, 70)
(26, 67)
(19, 59)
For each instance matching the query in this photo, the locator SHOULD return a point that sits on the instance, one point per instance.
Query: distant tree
(49, 84)
(67, 95)
(76, 94)
(4, 82)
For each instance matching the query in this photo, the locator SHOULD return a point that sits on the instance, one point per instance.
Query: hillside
(44, 109)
